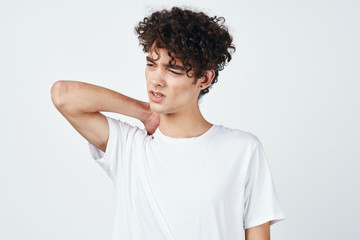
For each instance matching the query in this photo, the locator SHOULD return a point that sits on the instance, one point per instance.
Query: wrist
(146, 112)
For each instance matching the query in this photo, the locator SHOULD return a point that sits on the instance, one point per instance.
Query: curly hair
(199, 41)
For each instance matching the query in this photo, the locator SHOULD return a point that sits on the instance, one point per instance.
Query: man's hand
(152, 123)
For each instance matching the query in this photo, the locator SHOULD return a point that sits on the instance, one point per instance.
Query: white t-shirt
(209, 187)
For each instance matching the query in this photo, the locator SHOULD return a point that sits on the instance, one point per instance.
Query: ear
(206, 80)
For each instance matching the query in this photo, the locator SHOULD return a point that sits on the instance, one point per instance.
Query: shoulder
(238, 136)
(128, 130)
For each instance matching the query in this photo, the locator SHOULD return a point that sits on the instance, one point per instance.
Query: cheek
(183, 93)
(147, 78)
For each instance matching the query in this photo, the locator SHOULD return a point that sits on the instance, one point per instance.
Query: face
(180, 94)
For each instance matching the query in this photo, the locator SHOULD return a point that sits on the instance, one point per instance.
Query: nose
(157, 78)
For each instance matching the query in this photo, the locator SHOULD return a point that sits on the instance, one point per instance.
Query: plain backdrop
(293, 82)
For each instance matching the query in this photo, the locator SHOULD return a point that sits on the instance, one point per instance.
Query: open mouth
(157, 94)
(156, 97)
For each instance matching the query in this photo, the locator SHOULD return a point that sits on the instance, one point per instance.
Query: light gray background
(293, 82)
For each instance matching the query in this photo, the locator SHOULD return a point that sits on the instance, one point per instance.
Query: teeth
(158, 95)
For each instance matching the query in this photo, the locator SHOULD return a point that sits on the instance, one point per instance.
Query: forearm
(81, 97)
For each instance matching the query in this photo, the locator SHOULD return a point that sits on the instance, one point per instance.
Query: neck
(185, 124)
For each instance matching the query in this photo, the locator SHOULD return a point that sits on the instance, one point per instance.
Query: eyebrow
(167, 65)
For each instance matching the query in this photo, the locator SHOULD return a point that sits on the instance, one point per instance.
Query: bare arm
(81, 97)
(80, 103)
(260, 232)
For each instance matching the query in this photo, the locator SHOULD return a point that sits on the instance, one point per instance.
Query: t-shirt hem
(272, 218)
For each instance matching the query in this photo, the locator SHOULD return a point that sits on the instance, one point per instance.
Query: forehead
(161, 53)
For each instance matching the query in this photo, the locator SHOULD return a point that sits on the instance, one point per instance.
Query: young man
(181, 177)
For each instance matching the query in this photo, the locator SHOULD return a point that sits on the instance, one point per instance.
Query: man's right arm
(80, 103)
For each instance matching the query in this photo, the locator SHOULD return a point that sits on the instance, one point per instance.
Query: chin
(154, 108)
(158, 109)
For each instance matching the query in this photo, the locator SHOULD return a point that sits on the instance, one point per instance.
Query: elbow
(58, 90)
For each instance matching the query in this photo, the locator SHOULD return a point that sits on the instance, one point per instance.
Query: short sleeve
(112, 159)
(261, 202)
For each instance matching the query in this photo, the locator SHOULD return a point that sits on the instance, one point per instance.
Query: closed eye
(176, 73)
(151, 65)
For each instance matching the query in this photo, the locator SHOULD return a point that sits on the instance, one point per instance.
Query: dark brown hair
(199, 41)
